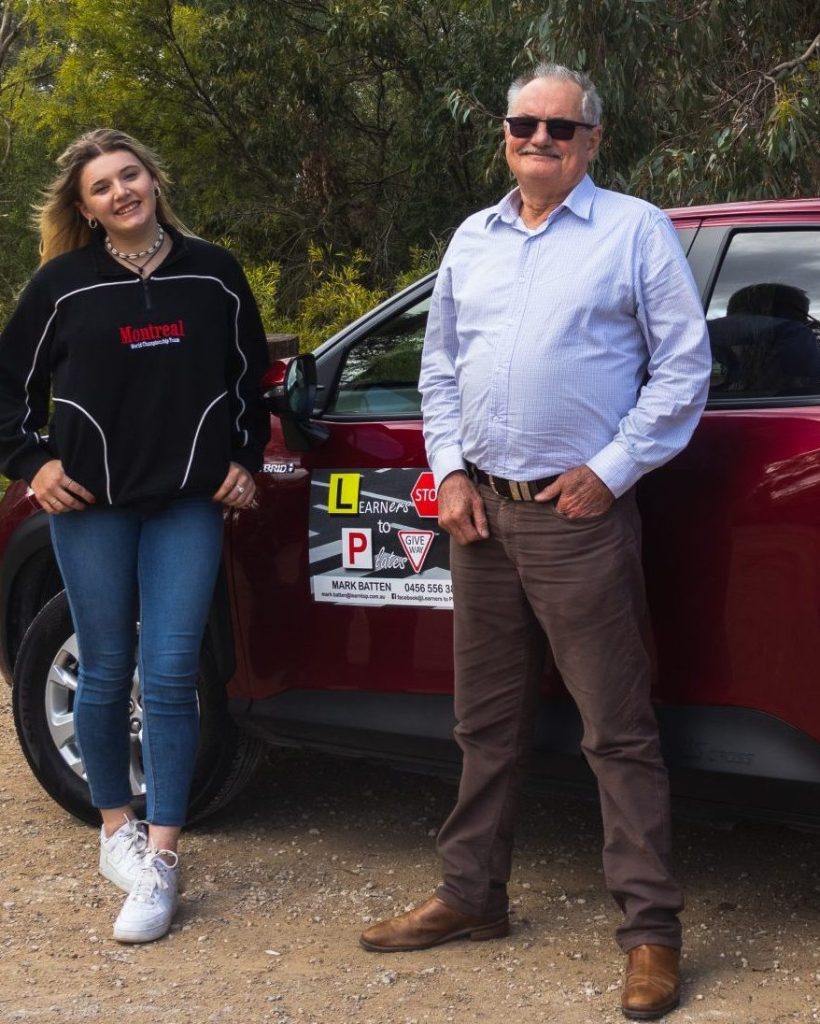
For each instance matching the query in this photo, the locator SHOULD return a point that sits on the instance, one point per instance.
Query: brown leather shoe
(429, 925)
(652, 983)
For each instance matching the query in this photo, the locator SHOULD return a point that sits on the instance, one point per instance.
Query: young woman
(149, 343)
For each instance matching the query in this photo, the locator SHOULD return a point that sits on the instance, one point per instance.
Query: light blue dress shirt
(582, 341)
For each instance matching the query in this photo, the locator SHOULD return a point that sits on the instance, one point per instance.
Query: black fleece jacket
(155, 383)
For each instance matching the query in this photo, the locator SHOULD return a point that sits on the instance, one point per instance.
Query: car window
(380, 373)
(686, 236)
(763, 316)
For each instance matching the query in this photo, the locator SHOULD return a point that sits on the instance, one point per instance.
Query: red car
(330, 624)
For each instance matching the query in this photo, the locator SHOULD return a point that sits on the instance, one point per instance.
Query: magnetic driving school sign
(374, 539)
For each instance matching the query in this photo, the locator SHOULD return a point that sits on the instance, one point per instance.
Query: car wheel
(44, 688)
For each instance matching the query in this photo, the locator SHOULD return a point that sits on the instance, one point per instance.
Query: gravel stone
(279, 885)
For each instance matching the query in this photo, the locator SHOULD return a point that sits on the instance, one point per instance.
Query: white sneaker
(122, 852)
(147, 912)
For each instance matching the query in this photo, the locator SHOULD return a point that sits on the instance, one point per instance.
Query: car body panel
(390, 649)
(732, 559)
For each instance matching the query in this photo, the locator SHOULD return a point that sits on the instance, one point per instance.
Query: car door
(341, 579)
(732, 525)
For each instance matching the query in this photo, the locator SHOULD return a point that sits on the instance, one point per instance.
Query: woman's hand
(237, 488)
(57, 492)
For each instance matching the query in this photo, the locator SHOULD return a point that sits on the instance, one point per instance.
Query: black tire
(43, 700)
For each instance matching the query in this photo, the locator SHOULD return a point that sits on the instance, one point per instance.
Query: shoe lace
(137, 838)
(154, 875)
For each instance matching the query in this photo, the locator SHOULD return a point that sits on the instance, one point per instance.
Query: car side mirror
(289, 389)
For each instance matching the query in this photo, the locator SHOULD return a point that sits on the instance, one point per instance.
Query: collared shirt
(580, 342)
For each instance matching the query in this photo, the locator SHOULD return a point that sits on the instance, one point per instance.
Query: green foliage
(422, 261)
(338, 296)
(264, 281)
(291, 120)
(335, 294)
(704, 102)
(373, 128)
(22, 153)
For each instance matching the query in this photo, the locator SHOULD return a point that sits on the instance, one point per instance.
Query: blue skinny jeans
(120, 567)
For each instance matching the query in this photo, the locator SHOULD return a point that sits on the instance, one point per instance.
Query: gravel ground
(279, 886)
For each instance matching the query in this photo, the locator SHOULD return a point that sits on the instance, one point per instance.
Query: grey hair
(591, 106)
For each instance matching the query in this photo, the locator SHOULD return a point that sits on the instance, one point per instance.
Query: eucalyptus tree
(290, 122)
(22, 150)
(705, 100)
(374, 126)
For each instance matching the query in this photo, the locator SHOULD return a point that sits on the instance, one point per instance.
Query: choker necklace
(136, 255)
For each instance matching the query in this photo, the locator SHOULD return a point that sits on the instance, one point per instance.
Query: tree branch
(8, 33)
(207, 101)
(783, 69)
(25, 80)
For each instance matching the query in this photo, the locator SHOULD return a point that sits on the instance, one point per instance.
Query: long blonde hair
(61, 225)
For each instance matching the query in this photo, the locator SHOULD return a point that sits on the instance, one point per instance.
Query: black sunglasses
(557, 127)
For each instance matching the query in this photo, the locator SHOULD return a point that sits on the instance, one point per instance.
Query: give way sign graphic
(416, 544)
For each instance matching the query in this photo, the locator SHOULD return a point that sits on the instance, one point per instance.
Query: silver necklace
(132, 256)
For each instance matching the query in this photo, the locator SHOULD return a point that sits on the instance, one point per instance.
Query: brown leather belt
(515, 490)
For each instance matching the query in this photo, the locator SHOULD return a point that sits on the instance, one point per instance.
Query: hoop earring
(92, 223)
(157, 191)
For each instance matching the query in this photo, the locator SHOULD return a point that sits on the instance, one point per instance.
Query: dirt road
(279, 886)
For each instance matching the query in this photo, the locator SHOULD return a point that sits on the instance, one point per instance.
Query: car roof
(758, 211)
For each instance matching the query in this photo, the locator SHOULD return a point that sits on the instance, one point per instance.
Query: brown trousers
(543, 587)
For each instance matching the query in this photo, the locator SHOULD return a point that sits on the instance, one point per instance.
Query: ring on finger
(240, 488)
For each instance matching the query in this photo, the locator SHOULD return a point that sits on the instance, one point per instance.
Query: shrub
(264, 281)
(339, 296)
(422, 261)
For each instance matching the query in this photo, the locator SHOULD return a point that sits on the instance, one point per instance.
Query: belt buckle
(493, 488)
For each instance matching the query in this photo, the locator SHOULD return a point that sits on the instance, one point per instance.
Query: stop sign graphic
(424, 496)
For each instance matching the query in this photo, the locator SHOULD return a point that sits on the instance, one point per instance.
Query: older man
(566, 356)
